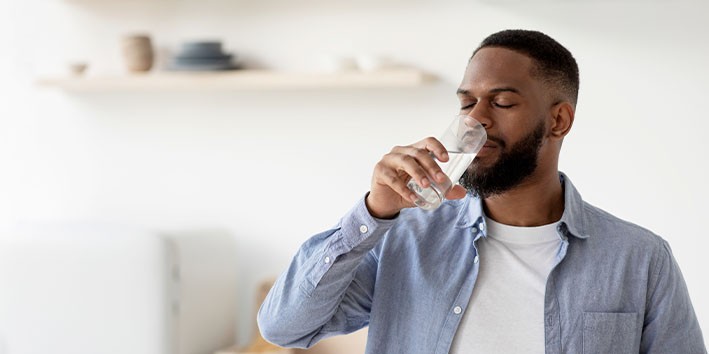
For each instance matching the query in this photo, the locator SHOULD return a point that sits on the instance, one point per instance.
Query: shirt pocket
(609, 333)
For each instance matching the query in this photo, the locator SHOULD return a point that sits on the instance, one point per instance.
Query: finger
(439, 151)
(408, 166)
(422, 162)
(396, 182)
(436, 147)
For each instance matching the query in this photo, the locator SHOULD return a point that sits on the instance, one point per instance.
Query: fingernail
(444, 155)
(425, 182)
(413, 198)
(440, 176)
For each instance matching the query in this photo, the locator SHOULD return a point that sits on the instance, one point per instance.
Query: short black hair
(554, 63)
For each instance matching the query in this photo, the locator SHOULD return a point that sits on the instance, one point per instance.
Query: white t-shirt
(506, 310)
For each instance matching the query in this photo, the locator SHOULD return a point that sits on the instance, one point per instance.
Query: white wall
(275, 167)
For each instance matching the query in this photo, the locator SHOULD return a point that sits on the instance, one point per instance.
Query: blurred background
(142, 208)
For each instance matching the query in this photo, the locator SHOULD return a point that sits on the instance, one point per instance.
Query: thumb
(457, 192)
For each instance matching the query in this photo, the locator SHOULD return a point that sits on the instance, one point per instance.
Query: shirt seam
(659, 266)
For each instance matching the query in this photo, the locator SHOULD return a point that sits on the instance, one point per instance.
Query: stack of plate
(202, 56)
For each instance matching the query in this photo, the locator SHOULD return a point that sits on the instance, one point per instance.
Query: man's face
(498, 90)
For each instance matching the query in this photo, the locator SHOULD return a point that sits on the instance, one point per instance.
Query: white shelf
(240, 80)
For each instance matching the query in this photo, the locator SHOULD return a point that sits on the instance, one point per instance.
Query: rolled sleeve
(329, 284)
(356, 233)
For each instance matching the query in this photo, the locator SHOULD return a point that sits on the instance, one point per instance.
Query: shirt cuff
(359, 227)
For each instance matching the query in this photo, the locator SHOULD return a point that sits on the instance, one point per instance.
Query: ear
(562, 118)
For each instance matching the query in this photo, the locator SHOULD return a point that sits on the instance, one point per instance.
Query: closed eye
(504, 106)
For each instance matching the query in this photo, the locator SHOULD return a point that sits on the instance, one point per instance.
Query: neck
(539, 200)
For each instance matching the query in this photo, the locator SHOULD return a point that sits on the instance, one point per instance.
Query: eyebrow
(495, 90)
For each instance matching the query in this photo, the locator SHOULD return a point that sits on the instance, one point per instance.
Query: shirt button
(457, 310)
(476, 259)
(363, 229)
(475, 230)
(482, 227)
(327, 259)
(561, 227)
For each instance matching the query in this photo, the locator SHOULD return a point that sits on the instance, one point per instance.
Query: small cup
(77, 68)
(463, 139)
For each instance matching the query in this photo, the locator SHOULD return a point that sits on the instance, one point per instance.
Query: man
(514, 262)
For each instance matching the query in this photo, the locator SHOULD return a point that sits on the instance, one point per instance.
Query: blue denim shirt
(616, 287)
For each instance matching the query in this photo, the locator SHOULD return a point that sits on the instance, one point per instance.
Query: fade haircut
(554, 63)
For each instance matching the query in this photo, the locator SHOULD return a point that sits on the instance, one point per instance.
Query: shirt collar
(572, 221)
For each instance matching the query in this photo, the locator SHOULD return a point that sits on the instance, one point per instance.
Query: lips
(493, 142)
(490, 145)
(487, 148)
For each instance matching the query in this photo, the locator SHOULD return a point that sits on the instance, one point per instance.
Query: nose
(480, 114)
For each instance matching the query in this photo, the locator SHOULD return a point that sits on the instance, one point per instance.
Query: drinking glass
(463, 139)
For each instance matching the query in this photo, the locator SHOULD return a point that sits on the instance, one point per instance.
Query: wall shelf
(240, 80)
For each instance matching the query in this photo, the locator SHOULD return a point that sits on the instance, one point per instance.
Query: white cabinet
(86, 289)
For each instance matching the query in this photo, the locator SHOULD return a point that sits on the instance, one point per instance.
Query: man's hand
(389, 193)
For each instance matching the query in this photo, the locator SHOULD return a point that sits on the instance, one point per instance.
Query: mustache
(496, 140)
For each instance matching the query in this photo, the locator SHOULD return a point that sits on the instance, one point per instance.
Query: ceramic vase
(138, 53)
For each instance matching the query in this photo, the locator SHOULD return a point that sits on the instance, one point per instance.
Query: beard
(509, 171)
